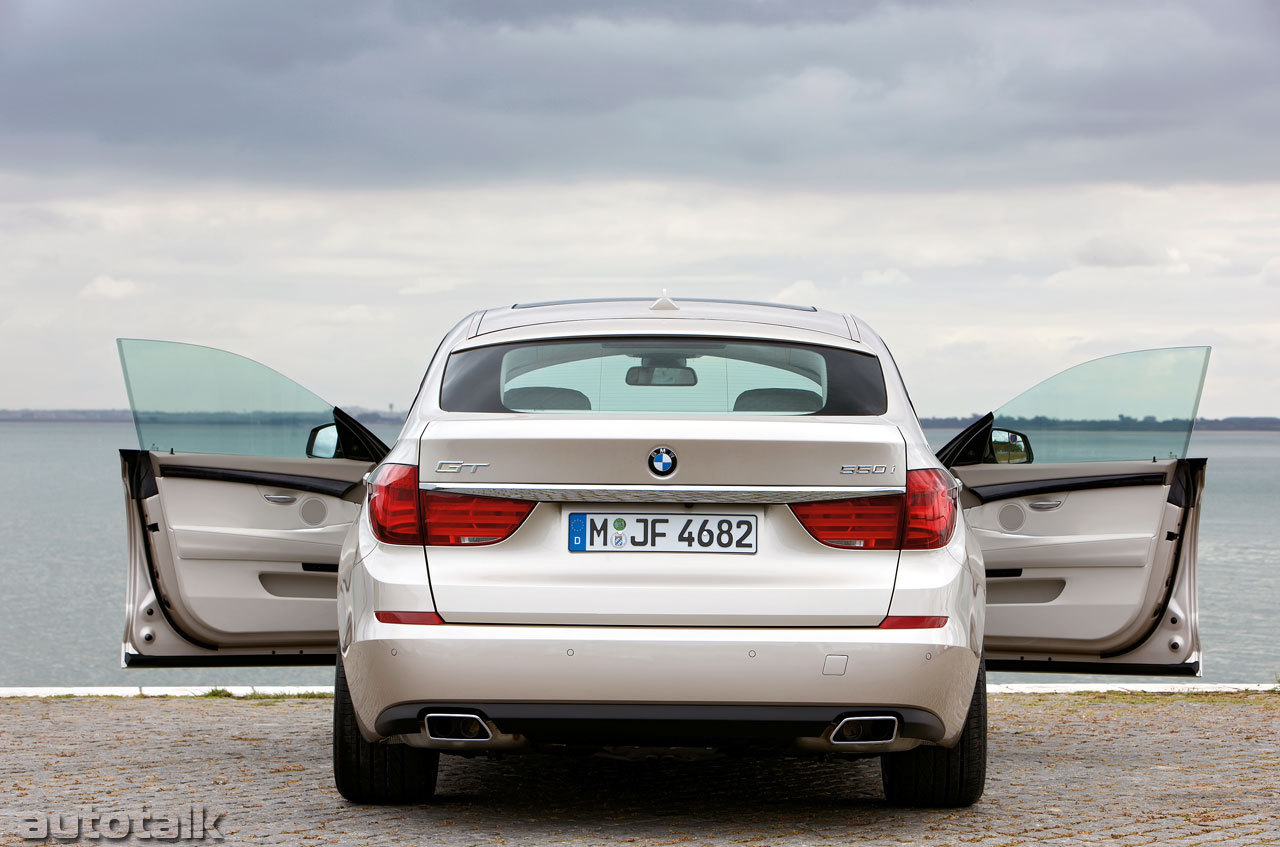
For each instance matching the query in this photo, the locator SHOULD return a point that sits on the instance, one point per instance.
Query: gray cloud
(1271, 272)
(1120, 252)
(816, 94)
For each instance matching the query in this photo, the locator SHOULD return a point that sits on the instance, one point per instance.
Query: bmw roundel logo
(662, 461)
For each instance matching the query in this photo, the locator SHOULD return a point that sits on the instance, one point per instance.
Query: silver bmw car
(632, 524)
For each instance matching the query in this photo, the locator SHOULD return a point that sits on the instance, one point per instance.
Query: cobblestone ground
(1066, 769)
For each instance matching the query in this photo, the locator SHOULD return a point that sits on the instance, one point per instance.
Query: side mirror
(323, 442)
(1011, 448)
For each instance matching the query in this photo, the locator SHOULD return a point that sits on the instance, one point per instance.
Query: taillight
(400, 513)
(393, 505)
(863, 523)
(921, 519)
(931, 510)
(461, 519)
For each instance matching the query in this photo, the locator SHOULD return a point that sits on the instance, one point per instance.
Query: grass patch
(221, 693)
(1267, 699)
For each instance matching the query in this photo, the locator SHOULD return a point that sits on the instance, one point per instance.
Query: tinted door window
(1138, 405)
(192, 399)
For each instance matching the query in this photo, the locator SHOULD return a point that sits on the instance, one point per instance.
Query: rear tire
(376, 772)
(941, 776)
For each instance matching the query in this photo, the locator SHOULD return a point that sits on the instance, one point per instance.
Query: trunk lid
(730, 469)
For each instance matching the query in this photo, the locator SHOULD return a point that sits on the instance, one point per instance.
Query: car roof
(804, 318)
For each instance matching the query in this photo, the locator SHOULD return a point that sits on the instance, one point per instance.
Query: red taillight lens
(461, 519)
(400, 513)
(863, 523)
(922, 519)
(931, 510)
(393, 505)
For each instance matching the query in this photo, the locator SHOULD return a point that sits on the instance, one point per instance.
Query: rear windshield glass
(664, 375)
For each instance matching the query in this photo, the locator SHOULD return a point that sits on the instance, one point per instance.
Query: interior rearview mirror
(1010, 448)
(644, 375)
(323, 442)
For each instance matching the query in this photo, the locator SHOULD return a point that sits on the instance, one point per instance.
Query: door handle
(1045, 505)
(280, 498)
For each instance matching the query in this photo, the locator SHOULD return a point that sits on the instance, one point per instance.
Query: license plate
(612, 532)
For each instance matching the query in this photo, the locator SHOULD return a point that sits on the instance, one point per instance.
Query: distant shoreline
(369, 416)
(125, 416)
(1231, 424)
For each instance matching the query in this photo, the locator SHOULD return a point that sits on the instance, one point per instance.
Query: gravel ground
(1069, 769)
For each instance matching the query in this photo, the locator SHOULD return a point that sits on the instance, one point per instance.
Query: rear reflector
(419, 618)
(913, 622)
(922, 519)
(400, 513)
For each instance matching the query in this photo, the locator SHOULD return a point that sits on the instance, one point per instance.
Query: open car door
(237, 500)
(1086, 507)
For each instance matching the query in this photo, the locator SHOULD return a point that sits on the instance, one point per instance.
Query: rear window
(663, 375)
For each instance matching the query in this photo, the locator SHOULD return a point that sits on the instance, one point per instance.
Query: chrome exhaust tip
(865, 732)
(456, 728)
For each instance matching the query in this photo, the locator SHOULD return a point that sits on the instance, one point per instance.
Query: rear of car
(621, 525)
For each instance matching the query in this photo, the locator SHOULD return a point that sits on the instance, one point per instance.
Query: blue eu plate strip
(577, 531)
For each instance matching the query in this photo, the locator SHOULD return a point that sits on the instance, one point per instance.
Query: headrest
(546, 399)
(778, 400)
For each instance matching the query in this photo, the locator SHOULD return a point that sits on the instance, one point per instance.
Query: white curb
(1134, 687)
(295, 690)
(165, 691)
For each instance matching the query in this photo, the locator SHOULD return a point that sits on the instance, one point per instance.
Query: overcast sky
(1001, 189)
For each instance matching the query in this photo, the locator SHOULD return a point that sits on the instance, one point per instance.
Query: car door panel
(225, 560)
(237, 557)
(1104, 548)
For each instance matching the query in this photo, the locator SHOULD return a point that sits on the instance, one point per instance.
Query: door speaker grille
(1012, 517)
(313, 511)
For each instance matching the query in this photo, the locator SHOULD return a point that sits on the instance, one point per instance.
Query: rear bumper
(602, 677)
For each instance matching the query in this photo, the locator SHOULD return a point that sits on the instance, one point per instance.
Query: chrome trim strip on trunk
(662, 493)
